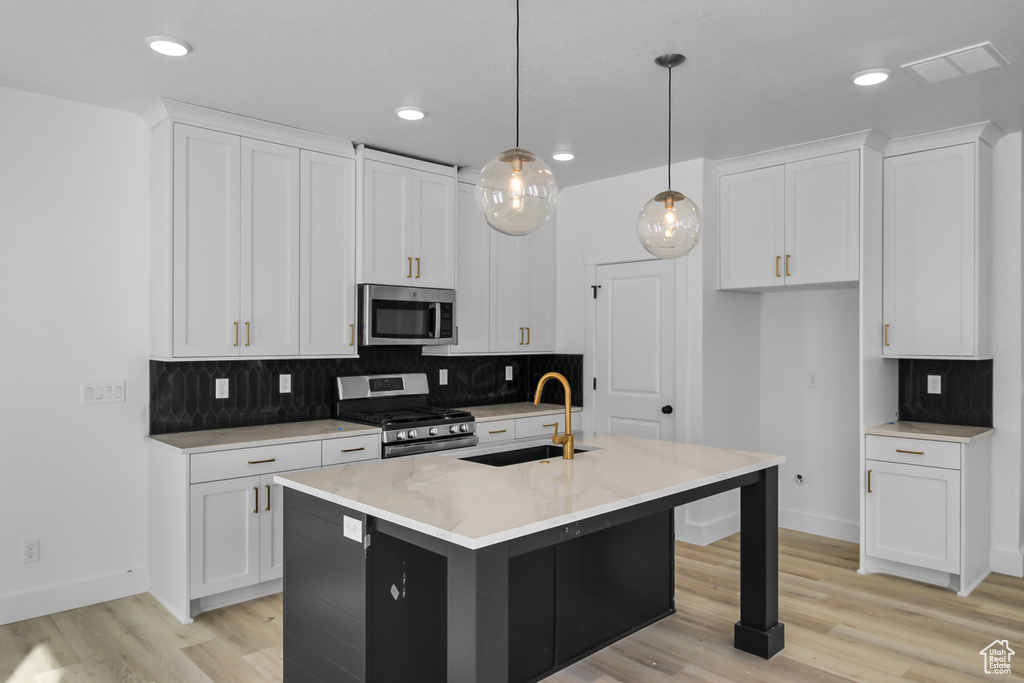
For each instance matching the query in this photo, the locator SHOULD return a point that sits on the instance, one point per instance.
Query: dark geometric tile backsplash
(181, 393)
(966, 397)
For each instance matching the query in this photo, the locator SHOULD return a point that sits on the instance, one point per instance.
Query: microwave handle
(435, 320)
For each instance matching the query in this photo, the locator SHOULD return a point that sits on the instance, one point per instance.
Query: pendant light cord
(669, 127)
(517, 73)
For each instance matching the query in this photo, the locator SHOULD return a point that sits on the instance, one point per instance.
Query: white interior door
(635, 354)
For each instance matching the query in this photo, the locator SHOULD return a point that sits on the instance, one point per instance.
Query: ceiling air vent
(964, 62)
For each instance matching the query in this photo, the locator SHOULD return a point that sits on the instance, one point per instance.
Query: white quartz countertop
(931, 431)
(476, 505)
(506, 411)
(265, 435)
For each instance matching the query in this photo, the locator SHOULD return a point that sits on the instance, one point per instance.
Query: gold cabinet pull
(351, 334)
(527, 336)
(257, 462)
(869, 481)
(417, 267)
(353, 450)
(268, 497)
(521, 336)
(246, 333)
(887, 334)
(787, 266)
(910, 452)
(497, 431)
(236, 333)
(410, 266)
(777, 259)
(256, 509)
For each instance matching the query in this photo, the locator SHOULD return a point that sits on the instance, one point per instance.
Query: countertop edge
(891, 429)
(363, 430)
(518, 532)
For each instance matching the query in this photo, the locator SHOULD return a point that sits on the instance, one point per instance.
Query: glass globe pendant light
(669, 224)
(517, 190)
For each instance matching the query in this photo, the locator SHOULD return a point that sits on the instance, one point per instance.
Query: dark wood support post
(478, 614)
(758, 631)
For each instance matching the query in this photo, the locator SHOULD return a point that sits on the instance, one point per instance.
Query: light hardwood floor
(840, 626)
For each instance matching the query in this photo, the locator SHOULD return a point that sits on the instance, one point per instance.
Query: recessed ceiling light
(871, 76)
(172, 47)
(563, 156)
(410, 113)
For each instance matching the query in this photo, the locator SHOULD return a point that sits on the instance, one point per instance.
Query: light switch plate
(934, 384)
(442, 377)
(508, 373)
(285, 384)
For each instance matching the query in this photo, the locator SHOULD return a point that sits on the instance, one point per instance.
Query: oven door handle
(398, 450)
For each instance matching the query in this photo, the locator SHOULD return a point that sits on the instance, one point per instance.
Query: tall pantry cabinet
(253, 238)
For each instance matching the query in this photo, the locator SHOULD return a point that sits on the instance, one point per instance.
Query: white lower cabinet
(926, 510)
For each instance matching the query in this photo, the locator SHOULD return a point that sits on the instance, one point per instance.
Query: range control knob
(453, 429)
(413, 434)
(433, 431)
(463, 427)
(400, 436)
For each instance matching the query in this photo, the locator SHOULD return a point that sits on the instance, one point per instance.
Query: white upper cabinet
(505, 286)
(327, 302)
(408, 221)
(522, 291)
(796, 223)
(270, 249)
(207, 242)
(935, 258)
(823, 219)
(253, 237)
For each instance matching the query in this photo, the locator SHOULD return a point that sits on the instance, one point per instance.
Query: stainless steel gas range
(399, 405)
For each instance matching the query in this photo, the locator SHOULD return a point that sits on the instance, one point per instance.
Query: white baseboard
(61, 597)
(1007, 561)
(820, 525)
(706, 532)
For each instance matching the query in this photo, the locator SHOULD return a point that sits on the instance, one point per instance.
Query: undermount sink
(520, 455)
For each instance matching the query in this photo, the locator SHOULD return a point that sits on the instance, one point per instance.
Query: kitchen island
(435, 568)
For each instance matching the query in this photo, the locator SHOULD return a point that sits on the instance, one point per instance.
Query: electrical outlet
(442, 377)
(812, 380)
(285, 384)
(934, 384)
(352, 528)
(508, 373)
(221, 388)
(30, 550)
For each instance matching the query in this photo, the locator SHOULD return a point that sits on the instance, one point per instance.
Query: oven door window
(403, 319)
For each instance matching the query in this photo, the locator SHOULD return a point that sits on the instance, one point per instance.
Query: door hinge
(595, 383)
(595, 288)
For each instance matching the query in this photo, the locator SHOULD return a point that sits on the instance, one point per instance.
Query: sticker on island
(997, 657)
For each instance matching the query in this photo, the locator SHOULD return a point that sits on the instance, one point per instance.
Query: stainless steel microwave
(406, 315)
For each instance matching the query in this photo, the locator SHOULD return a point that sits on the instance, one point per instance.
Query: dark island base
(400, 605)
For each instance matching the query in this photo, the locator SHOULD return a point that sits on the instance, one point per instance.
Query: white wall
(817, 429)
(74, 269)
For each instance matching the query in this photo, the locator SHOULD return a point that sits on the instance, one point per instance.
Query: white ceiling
(759, 73)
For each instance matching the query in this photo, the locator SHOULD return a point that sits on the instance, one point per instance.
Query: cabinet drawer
(244, 462)
(541, 425)
(914, 451)
(498, 430)
(351, 449)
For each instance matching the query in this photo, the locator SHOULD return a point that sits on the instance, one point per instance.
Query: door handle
(268, 497)
(256, 507)
(236, 333)
(787, 266)
(351, 334)
(527, 336)
(869, 481)
(246, 334)
(409, 258)
(777, 273)
(417, 267)
(667, 410)
(887, 334)
(521, 336)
